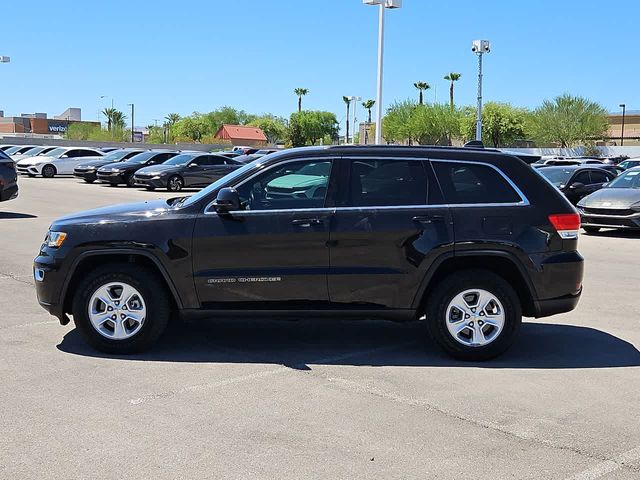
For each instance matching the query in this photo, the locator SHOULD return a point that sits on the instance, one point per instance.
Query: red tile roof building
(242, 135)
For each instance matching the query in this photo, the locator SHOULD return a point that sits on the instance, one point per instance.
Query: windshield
(629, 163)
(179, 160)
(13, 150)
(116, 155)
(556, 175)
(56, 152)
(628, 179)
(33, 151)
(220, 182)
(142, 157)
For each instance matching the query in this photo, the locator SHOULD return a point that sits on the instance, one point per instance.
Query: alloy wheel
(117, 310)
(475, 317)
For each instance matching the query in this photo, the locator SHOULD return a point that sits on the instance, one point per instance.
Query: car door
(193, 172)
(390, 225)
(274, 253)
(217, 167)
(598, 179)
(70, 159)
(578, 186)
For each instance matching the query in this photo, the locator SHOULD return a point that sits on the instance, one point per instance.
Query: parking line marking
(262, 374)
(608, 466)
(33, 324)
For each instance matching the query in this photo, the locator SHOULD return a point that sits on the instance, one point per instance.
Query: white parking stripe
(604, 468)
(262, 374)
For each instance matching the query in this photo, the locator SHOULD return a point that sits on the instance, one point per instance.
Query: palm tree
(421, 86)
(300, 92)
(347, 100)
(117, 119)
(452, 77)
(172, 118)
(109, 113)
(368, 105)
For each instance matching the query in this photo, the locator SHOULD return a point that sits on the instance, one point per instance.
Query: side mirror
(193, 165)
(577, 186)
(227, 200)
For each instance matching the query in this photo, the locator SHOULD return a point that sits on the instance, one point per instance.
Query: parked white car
(59, 161)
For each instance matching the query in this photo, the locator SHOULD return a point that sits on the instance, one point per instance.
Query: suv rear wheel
(474, 315)
(121, 309)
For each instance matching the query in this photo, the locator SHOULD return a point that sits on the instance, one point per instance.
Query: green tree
(300, 92)
(274, 128)
(368, 105)
(421, 86)
(452, 77)
(191, 128)
(309, 126)
(109, 113)
(569, 121)
(226, 116)
(432, 124)
(118, 119)
(171, 120)
(396, 124)
(502, 123)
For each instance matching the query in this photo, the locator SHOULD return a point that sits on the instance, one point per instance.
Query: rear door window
(470, 183)
(599, 177)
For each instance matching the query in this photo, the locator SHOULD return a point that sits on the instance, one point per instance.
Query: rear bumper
(8, 193)
(553, 306)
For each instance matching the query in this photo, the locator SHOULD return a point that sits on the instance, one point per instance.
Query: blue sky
(199, 55)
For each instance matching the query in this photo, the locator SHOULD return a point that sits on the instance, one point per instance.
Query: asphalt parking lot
(314, 399)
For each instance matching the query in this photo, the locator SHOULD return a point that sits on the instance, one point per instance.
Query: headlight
(115, 170)
(155, 177)
(56, 239)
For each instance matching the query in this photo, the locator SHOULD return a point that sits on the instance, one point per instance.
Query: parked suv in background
(8, 178)
(189, 169)
(468, 238)
(122, 172)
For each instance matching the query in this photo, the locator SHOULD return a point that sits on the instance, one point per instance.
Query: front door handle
(428, 218)
(307, 222)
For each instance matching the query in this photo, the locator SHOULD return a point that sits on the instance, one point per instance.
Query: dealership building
(40, 124)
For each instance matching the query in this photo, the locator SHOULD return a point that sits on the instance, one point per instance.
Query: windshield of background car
(115, 155)
(626, 180)
(56, 152)
(556, 175)
(629, 164)
(33, 151)
(222, 181)
(12, 150)
(142, 157)
(179, 160)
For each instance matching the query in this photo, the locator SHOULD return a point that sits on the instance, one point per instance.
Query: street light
(382, 4)
(132, 121)
(623, 106)
(480, 47)
(355, 101)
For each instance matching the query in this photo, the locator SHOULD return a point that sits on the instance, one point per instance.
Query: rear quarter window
(469, 183)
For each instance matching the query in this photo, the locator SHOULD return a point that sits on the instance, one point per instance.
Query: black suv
(467, 239)
(8, 178)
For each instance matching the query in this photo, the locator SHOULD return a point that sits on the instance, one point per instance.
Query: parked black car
(89, 171)
(186, 170)
(8, 178)
(615, 206)
(577, 181)
(122, 172)
(468, 238)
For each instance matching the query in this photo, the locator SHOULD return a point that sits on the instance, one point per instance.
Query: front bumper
(27, 170)
(112, 178)
(48, 282)
(150, 182)
(605, 220)
(85, 174)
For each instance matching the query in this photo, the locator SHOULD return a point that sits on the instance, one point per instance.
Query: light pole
(355, 101)
(382, 4)
(132, 121)
(480, 47)
(623, 106)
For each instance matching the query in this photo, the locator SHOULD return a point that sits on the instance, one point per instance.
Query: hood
(95, 162)
(159, 169)
(109, 167)
(115, 213)
(612, 198)
(35, 160)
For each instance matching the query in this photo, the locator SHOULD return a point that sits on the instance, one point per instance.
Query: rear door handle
(307, 222)
(428, 218)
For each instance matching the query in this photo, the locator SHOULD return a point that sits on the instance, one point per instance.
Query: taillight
(567, 224)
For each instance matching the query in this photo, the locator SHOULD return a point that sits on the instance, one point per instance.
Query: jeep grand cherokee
(468, 240)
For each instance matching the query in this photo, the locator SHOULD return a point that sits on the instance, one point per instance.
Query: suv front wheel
(121, 309)
(474, 315)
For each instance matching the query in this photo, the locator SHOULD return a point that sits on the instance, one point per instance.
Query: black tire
(591, 230)
(155, 297)
(151, 189)
(90, 179)
(438, 301)
(49, 171)
(131, 182)
(175, 183)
